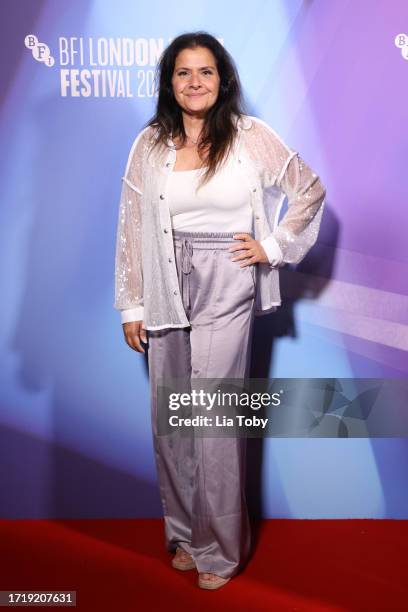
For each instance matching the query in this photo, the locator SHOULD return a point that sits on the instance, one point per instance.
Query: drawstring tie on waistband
(186, 267)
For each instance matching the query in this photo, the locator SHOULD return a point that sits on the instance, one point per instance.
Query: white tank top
(221, 205)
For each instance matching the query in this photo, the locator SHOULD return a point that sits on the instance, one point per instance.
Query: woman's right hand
(135, 333)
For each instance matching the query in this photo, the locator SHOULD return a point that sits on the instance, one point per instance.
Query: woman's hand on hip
(135, 334)
(253, 250)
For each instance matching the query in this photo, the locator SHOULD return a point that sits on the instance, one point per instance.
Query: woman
(198, 251)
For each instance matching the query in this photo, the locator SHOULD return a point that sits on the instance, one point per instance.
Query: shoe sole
(214, 584)
(183, 566)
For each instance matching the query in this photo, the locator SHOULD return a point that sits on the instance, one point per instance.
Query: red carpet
(121, 565)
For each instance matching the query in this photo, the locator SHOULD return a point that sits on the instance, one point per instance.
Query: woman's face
(195, 81)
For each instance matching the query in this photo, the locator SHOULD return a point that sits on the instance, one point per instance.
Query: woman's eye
(183, 72)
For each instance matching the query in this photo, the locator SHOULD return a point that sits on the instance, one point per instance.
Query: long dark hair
(219, 128)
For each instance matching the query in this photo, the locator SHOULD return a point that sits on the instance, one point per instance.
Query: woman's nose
(195, 80)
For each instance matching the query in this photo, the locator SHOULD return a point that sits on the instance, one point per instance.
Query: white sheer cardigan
(146, 283)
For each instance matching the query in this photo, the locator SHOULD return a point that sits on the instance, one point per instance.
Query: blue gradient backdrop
(74, 403)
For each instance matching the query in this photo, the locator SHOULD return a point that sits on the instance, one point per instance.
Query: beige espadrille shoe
(215, 582)
(182, 560)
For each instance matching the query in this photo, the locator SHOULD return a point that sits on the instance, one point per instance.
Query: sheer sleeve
(283, 168)
(128, 256)
(298, 230)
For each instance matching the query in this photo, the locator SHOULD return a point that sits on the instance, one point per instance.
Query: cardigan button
(254, 189)
(161, 196)
(165, 230)
(175, 292)
(168, 164)
(169, 259)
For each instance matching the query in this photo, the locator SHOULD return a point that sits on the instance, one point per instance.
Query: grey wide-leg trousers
(202, 479)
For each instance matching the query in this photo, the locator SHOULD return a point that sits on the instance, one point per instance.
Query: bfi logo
(401, 42)
(40, 51)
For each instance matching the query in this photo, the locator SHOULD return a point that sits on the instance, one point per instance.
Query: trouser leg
(221, 529)
(169, 355)
(221, 348)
